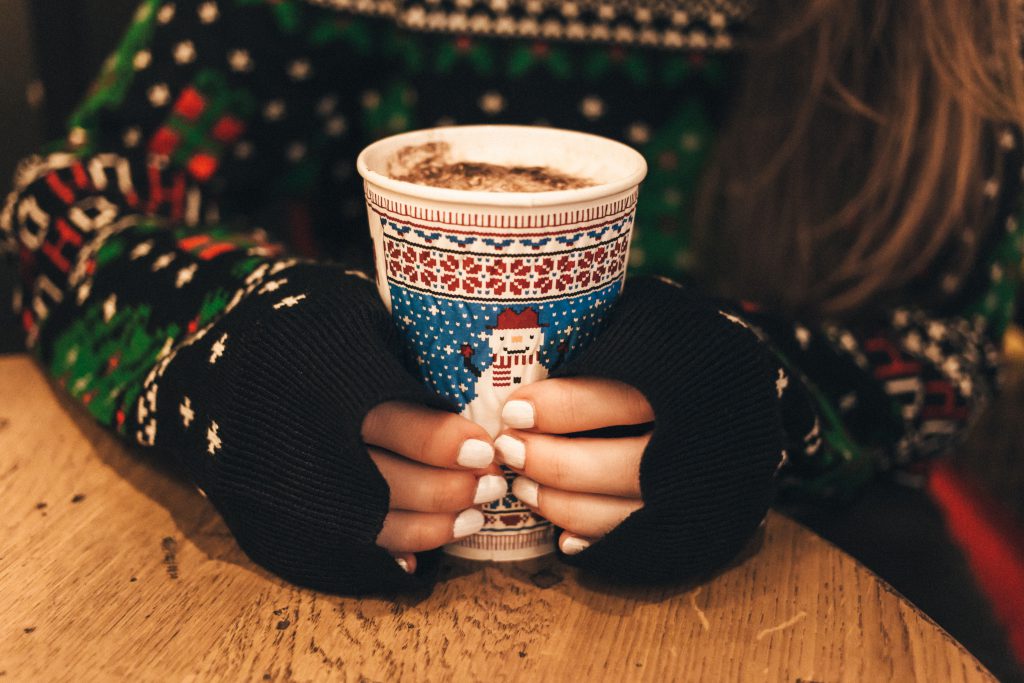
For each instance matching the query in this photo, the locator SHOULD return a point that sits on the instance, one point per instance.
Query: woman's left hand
(585, 485)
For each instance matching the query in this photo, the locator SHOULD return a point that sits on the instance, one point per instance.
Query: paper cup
(494, 290)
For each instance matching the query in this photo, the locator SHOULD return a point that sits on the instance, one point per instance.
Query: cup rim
(501, 199)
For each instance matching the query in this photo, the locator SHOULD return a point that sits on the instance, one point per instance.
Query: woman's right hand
(438, 466)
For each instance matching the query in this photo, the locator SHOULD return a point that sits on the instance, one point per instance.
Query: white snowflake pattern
(131, 137)
(812, 441)
(162, 261)
(274, 110)
(159, 95)
(142, 59)
(185, 276)
(244, 149)
(185, 52)
(639, 133)
(186, 412)
(109, 308)
(165, 13)
(335, 126)
(295, 152)
(325, 107)
(213, 442)
(208, 12)
(781, 382)
(272, 286)
(300, 70)
(218, 348)
(491, 102)
(592, 107)
(239, 60)
(166, 348)
(370, 99)
(735, 320)
(289, 301)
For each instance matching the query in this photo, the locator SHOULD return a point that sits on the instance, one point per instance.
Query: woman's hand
(585, 485)
(437, 466)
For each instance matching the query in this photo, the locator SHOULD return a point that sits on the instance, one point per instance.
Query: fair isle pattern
(704, 25)
(506, 277)
(99, 198)
(557, 219)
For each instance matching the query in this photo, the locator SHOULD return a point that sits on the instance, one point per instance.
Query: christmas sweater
(157, 292)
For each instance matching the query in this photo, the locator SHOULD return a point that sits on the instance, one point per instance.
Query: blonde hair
(855, 162)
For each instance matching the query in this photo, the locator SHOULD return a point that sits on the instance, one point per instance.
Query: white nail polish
(403, 563)
(525, 490)
(518, 414)
(490, 487)
(574, 545)
(468, 522)
(475, 453)
(511, 450)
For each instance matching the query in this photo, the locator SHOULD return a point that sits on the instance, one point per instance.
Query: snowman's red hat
(524, 320)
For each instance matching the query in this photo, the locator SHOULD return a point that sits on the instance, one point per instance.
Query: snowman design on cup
(515, 344)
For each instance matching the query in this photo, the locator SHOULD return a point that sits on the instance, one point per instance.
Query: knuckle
(451, 493)
(559, 468)
(432, 446)
(563, 402)
(568, 514)
(428, 532)
(636, 403)
(373, 420)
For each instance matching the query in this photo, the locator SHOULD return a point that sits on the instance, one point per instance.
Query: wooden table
(111, 568)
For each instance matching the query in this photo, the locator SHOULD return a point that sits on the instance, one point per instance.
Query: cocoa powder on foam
(431, 164)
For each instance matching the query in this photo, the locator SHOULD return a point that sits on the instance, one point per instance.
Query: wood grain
(113, 568)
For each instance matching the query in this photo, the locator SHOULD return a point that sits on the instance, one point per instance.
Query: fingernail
(511, 450)
(518, 414)
(475, 454)
(403, 563)
(525, 490)
(468, 522)
(490, 487)
(574, 545)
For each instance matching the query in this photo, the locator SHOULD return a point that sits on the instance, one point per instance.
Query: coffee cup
(494, 289)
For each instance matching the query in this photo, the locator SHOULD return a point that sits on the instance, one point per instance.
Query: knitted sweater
(157, 293)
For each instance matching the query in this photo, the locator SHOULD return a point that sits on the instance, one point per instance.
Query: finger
(429, 436)
(422, 488)
(575, 404)
(414, 532)
(606, 466)
(407, 561)
(583, 514)
(571, 544)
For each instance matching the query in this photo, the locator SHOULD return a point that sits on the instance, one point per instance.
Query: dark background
(50, 50)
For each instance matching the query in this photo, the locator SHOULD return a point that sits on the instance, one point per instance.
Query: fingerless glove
(707, 475)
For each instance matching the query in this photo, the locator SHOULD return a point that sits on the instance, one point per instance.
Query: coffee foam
(431, 164)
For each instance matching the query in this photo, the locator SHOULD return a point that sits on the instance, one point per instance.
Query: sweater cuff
(707, 476)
